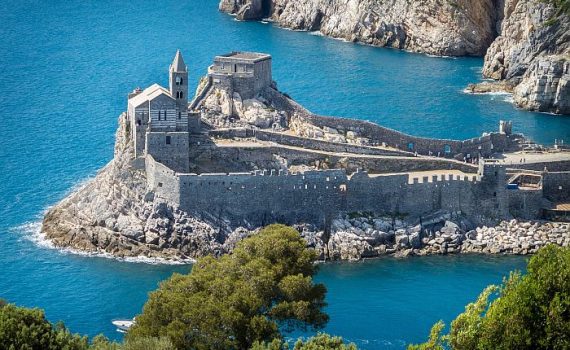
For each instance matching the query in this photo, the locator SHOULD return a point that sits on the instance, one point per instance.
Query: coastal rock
(531, 54)
(435, 27)
(545, 86)
(114, 213)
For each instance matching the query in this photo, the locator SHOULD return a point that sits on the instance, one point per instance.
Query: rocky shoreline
(526, 43)
(365, 237)
(115, 215)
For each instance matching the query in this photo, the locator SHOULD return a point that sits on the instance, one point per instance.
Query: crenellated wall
(261, 197)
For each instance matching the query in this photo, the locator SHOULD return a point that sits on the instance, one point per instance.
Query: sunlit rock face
(452, 28)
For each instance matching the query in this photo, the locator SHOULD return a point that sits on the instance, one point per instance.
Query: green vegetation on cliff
(530, 311)
(562, 8)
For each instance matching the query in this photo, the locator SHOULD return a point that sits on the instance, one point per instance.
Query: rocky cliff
(525, 42)
(532, 56)
(114, 213)
(438, 27)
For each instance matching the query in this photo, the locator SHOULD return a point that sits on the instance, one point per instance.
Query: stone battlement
(393, 175)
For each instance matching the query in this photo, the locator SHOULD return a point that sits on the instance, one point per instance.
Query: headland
(190, 178)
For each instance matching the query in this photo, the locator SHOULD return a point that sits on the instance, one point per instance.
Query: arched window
(411, 146)
(447, 149)
(159, 115)
(181, 94)
(179, 115)
(181, 81)
(164, 115)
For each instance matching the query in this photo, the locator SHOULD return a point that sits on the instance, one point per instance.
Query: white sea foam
(494, 93)
(32, 231)
(438, 56)
(316, 33)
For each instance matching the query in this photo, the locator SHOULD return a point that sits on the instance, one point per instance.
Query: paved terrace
(528, 158)
(421, 176)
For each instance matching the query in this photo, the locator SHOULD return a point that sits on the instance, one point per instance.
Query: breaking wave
(32, 231)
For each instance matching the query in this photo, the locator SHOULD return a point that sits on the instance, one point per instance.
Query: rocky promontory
(121, 212)
(115, 214)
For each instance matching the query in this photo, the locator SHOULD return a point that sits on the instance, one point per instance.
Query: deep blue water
(65, 70)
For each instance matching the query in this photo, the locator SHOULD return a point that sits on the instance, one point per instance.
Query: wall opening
(168, 140)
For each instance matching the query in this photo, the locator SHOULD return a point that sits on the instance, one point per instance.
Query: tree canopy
(530, 311)
(233, 301)
(28, 329)
(321, 341)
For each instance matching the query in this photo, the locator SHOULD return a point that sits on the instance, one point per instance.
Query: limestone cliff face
(525, 49)
(532, 53)
(438, 27)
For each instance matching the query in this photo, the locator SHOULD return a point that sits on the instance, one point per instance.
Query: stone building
(158, 118)
(245, 73)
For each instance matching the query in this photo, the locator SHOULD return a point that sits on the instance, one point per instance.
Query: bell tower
(178, 83)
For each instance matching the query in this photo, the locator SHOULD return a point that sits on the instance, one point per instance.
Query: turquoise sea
(65, 69)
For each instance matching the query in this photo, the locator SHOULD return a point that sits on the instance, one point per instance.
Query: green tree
(233, 301)
(435, 341)
(148, 344)
(531, 311)
(28, 329)
(322, 341)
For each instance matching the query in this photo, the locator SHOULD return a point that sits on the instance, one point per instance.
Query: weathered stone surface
(532, 54)
(114, 213)
(457, 28)
(348, 241)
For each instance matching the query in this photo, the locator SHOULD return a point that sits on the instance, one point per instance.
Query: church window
(138, 122)
(168, 140)
(181, 94)
(159, 115)
(179, 115)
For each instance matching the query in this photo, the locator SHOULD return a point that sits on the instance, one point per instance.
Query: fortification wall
(409, 196)
(304, 142)
(556, 186)
(525, 204)
(170, 149)
(163, 181)
(298, 156)
(555, 166)
(316, 196)
(396, 139)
